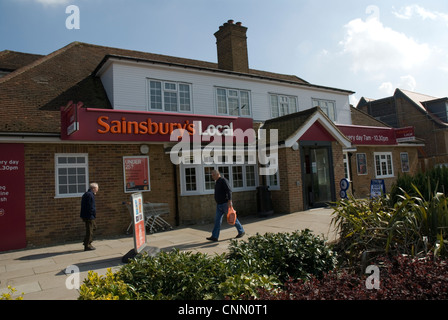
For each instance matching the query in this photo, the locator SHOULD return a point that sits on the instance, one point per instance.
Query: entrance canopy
(309, 125)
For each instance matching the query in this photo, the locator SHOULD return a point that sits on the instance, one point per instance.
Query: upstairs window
(169, 96)
(327, 106)
(233, 102)
(282, 105)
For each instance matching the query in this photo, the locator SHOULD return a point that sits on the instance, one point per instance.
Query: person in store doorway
(223, 198)
(88, 215)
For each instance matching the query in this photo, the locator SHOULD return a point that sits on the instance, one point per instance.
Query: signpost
(139, 222)
(377, 188)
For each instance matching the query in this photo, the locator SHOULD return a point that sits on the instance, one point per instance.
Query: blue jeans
(221, 210)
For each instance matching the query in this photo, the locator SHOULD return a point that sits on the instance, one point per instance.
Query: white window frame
(238, 96)
(323, 104)
(278, 112)
(201, 179)
(389, 169)
(58, 166)
(346, 166)
(164, 90)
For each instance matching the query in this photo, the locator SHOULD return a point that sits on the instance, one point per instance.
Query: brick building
(87, 113)
(428, 116)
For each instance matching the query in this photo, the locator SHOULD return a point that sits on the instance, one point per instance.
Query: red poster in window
(136, 173)
(12, 197)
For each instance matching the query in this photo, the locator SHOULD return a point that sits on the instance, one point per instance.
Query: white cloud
(387, 88)
(407, 82)
(409, 11)
(375, 48)
(53, 2)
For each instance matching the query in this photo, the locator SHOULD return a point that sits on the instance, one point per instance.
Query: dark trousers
(90, 227)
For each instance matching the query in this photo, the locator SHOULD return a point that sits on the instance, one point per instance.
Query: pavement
(48, 273)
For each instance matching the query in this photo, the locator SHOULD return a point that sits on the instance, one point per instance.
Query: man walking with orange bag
(223, 198)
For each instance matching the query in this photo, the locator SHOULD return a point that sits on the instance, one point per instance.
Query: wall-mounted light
(295, 146)
(144, 149)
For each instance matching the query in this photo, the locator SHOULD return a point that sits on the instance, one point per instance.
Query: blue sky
(370, 47)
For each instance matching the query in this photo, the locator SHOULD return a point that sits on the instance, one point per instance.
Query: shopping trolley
(152, 213)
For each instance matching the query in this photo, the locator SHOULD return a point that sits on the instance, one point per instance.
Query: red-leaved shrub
(400, 278)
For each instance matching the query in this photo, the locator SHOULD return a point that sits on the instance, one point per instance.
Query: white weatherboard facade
(127, 86)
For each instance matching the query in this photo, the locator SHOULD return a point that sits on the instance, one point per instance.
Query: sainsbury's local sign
(117, 125)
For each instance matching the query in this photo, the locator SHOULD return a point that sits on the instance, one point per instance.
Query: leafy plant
(401, 278)
(283, 255)
(413, 225)
(10, 294)
(175, 275)
(246, 286)
(108, 287)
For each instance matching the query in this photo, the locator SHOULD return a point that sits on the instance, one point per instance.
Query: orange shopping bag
(231, 216)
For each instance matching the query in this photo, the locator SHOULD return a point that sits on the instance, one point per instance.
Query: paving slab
(42, 274)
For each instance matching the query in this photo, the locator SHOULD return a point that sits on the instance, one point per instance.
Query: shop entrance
(317, 174)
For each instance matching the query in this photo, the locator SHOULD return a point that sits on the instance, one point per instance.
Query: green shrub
(283, 255)
(175, 275)
(261, 262)
(108, 287)
(413, 225)
(246, 286)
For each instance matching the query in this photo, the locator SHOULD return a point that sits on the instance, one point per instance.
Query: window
(346, 167)
(383, 165)
(169, 96)
(190, 179)
(71, 174)
(197, 179)
(250, 176)
(404, 156)
(237, 174)
(233, 102)
(327, 106)
(283, 105)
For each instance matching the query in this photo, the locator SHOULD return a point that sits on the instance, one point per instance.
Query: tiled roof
(31, 96)
(289, 124)
(12, 60)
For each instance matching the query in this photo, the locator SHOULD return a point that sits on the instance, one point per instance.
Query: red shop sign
(363, 135)
(117, 125)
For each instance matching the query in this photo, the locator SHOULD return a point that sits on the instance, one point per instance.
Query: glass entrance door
(318, 176)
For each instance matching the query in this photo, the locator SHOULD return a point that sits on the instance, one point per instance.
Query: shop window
(251, 176)
(346, 167)
(197, 179)
(169, 96)
(327, 106)
(237, 175)
(190, 179)
(282, 105)
(208, 180)
(71, 175)
(233, 102)
(383, 165)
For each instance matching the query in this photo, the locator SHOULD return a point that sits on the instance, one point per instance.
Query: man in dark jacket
(223, 198)
(88, 215)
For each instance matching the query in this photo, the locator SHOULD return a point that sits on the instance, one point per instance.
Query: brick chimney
(232, 47)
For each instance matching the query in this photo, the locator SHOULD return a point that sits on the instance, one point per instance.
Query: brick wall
(361, 183)
(52, 220)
